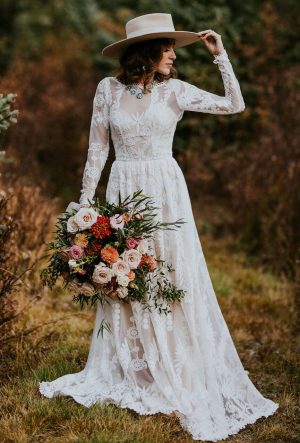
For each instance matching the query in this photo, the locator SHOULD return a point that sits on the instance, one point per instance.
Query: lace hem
(122, 396)
(234, 428)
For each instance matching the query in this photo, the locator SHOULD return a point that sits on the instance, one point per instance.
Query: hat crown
(149, 23)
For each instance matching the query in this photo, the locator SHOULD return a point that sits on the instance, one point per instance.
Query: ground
(259, 309)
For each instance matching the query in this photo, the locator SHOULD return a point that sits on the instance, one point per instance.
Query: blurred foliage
(25, 221)
(7, 116)
(50, 54)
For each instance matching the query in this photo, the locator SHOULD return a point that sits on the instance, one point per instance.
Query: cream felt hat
(147, 27)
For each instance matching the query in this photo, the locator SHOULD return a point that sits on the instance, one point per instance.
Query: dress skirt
(184, 361)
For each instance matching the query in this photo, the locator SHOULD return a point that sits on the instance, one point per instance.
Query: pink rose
(116, 221)
(131, 242)
(75, 252)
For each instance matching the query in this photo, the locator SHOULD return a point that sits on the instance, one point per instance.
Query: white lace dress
(186, 361)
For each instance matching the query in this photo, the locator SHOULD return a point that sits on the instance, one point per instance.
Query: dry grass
(259, 309)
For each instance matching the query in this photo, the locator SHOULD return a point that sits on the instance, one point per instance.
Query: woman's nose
(173, 55)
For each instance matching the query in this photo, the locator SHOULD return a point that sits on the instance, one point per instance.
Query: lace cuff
(223, 57)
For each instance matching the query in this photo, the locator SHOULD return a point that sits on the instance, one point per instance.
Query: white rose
(123, 280)
(132, 257)
(102, 274)
(143, 246)
(72, 226)
(122, 292)
(85, 218)
(87, 289)
(72, 263)
(120, 267)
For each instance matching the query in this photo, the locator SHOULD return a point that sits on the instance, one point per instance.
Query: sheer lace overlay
(186, 361)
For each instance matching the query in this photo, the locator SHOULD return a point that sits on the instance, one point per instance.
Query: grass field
(260, 311)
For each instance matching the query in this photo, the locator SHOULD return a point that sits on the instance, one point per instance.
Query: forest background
(242, 173)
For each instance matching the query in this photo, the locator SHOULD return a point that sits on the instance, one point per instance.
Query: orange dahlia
(109, 254)
(147, 260)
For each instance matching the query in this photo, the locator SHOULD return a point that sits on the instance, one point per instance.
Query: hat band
(150, 31)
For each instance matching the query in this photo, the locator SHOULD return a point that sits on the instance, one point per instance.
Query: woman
(184, 362)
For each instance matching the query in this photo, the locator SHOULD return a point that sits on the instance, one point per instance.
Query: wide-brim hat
(147, 27)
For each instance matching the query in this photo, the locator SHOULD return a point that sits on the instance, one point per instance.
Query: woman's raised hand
(212, 41)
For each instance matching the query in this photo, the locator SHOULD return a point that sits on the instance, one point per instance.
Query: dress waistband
(146, 159)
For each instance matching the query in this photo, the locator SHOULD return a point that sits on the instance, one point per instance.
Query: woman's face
(168, 57)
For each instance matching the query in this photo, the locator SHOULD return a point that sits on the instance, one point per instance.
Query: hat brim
(182, 38)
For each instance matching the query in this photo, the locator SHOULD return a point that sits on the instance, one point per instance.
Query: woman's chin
(164, 71)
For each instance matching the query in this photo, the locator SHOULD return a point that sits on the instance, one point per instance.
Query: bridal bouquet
(103, 252)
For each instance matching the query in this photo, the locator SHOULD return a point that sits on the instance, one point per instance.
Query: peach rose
(132, 257)
(120, 268)
(126, 217)
(102, 274)
(85, 218)
(131, 275)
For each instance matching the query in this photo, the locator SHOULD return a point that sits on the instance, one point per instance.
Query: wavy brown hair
(145, 54)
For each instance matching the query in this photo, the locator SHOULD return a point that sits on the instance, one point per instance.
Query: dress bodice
(143, 129)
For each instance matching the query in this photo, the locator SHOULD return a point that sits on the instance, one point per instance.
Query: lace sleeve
(98, 144)
(192, 98)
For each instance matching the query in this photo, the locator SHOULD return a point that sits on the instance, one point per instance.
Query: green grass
(259, 310)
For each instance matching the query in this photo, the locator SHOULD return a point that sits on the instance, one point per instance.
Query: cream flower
(85, 218)
(120, 267)
(132, 257)
(123, 280)
(72, 225)
(122, 291)
(143, 246)
(72, 263)
(102, 274)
